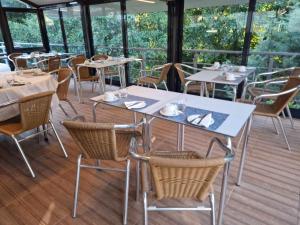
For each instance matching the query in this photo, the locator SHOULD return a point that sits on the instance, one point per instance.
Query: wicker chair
(102, 142)
(34, 112)
(108, 71)
(182, 175)
(282, 100)
(63, 77)
(81, 74)
(153, 80)
(18, 63)
(50, 64)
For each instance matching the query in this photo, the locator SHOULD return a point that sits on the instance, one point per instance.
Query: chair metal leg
(145, 208)
(284, 133)
(166, 87)
(274, 124)
(212, 211)
(45, 133)
(71, 105)
(58, 138)
(290, 116)
(23, 156)
(77, 186)
(138, 181)
(126, 193)
(62, 109)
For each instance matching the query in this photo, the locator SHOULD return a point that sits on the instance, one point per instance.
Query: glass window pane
(24, 29)
(276, 35)
(107, 29)
(147, 33)
(73, 28)
(214, 31)
(14, 4)
(54, 30)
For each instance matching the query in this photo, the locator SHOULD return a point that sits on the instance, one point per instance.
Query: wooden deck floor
(269, 193)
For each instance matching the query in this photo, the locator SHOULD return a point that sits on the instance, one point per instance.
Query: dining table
(217, 76)
(229, 119)
(14, 86)
(99, 65)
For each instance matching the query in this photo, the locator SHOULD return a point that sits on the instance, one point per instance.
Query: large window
(73, 28)
(213, 31)
(54, 30)
(147, 33)
(107, 30)
(276, 35)
(24, 29)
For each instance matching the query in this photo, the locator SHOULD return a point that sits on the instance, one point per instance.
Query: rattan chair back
(180, 73)
(96, 140)
(34, 110)
(282, 101)
(164, 72)
(295, 72)
(53, 63)
(100, 57)
(83, 71)
(64, 74)
(18, 63)
(184, 178)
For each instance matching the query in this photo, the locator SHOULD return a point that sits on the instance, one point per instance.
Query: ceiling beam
(30, 3)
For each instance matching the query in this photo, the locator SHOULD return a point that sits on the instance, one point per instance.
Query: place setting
(121, 98)
(179, 112)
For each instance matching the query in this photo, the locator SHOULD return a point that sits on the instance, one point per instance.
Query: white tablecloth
(34, 85)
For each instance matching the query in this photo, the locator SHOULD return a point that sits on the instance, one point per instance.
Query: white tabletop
(216, 76)
(34, 85)
(44, 55)
(109, 62)
(238, 113)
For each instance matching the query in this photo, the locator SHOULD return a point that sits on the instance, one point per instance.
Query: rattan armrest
(275, 94)
(54, 71)
(229, 153)
(272, 73)
(65, 80)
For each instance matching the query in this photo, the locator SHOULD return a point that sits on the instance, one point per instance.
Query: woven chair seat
(11, 127)
(90, 78)
(149, 80)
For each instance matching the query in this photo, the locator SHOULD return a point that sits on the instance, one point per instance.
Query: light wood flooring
(269, 193)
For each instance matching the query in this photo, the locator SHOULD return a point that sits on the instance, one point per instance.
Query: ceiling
(48, 2)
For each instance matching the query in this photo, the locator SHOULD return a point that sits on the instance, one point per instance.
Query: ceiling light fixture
(146, 1)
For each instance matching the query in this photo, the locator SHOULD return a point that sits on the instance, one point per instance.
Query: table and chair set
(26, 100)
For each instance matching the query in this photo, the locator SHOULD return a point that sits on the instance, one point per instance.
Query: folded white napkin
(135, 104)
(205, 121)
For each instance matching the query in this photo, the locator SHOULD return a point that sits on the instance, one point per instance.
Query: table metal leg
(244, 152)
(224, 186)
(234, 93)
(94, 111)
(180, 137)
(202, 89)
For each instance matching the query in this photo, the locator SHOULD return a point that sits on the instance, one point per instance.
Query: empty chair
(183, 71)
(151, 79)
(18, 63)
(282, 100)
(181, 175)
(109, 72)
(50, 64)
(34, 112)
(103, 142)
(82, 74)
(63, 77)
